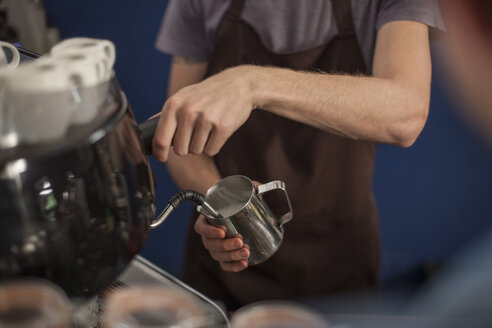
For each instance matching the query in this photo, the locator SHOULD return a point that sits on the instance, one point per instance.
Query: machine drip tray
(141, 273)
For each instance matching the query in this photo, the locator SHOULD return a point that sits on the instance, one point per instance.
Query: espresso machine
(77, 194)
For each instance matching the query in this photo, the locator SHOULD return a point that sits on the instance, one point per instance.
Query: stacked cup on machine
(41, 99)
(90, 66)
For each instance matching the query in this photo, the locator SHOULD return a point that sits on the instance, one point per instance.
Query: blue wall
(433, 197)
(436, 196)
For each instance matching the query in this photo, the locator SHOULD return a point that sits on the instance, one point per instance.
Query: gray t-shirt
(285, 26)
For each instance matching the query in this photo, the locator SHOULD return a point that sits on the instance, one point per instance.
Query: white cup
(38, 100)
(102, 52)
(41, 75)
(277, 315)
(90, 65)
(83, 70)
(3, 57)
(153, 307)
(39, 116)
(90, 84)
(33, 303)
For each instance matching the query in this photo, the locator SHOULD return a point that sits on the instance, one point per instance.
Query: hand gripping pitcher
(243, 211)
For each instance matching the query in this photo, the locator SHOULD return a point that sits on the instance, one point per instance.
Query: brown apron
(332, 244)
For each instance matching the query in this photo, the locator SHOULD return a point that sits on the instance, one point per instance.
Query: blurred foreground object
(27, 22)
(467, 52)
(277, 315)
(462, 296)
(33, 304)
(155, 307)
(464, 291)
(7, 32)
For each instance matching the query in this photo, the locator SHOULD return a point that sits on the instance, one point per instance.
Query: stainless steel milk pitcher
(243, 211)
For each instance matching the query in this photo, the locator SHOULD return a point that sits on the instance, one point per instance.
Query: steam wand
(180, 198)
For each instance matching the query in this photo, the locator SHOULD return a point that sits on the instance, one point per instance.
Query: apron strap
(344, 18)
(235, 9)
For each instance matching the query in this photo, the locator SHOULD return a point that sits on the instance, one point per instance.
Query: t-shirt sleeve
(423, 11)
(182, 30)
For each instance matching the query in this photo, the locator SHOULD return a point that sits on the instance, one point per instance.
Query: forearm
(391, 107)
(369, 108)
(193, 172)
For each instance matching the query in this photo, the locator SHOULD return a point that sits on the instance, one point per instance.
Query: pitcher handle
(278, 185)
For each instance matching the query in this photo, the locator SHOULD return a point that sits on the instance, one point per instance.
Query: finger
(164, 133)
(207, 230)
(215, 142)
(256, 183)
(184, 131)
(234, 266)
(241, 254)
(154, 116)
(222, 245)
(200, 137)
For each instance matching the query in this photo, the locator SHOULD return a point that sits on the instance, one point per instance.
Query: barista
(301, 92)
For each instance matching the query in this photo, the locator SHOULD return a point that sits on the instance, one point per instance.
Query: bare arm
(390, 107)
(197, 172)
